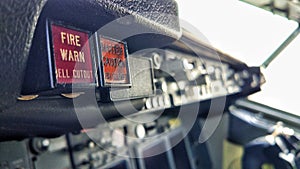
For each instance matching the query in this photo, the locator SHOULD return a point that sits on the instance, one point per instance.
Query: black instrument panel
(66, 86)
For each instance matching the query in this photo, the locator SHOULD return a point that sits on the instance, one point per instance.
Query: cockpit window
(251, 35)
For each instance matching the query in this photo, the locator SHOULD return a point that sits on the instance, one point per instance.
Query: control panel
(103, 83)
(117, 145)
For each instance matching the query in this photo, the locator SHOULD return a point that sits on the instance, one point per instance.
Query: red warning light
(114, 62)
(72, 56)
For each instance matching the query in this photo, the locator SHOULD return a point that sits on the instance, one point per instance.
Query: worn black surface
(23, 35)
(23, 42)
(17, 24)
(54, 117)
(163, 12)
(19, 18)
(131, 21)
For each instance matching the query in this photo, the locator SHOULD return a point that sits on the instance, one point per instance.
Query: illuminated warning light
(72, 56)
(114, 62)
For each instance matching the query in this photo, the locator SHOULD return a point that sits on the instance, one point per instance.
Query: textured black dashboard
(23, 42)
(18, 21)
(203, 73)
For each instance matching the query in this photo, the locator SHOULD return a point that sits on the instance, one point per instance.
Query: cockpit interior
(149, 84)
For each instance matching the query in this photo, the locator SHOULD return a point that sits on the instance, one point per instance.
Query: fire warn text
(72, 56)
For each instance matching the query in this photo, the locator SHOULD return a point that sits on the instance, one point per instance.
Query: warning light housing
(113, 62)
(73, 61)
